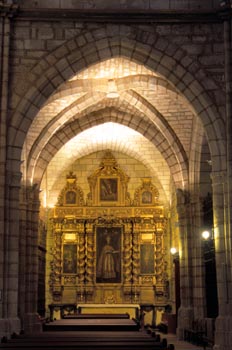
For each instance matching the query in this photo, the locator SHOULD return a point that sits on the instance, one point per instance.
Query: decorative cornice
(8, 10)
(120, 15)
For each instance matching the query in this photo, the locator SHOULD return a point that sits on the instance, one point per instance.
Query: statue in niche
(108, 257)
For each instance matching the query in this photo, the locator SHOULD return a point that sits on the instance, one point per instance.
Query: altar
(132, 309)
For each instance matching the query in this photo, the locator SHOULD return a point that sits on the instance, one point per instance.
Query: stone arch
(150, 157)
(123, 84)
(92, 99)
(143, 108)
(156, 53)
(178, 162)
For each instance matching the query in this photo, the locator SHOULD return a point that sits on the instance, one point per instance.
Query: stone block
(22, 32)
(45, 33)
(159, 4)
(53, 44)
(34, 44)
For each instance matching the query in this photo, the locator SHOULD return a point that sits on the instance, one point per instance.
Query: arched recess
(159, 55)
(123, 140)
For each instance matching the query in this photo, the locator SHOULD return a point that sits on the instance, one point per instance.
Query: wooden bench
(193, 336)
(85, 341)
(94, 344)
(207, 342)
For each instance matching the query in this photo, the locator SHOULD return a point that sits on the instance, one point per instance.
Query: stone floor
(179, 344)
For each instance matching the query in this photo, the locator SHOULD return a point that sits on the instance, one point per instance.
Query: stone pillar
(9, 321)
(199, 302)
(8, 246)
(222, 185)
(223, 331)
(185, 313)
(28, 268)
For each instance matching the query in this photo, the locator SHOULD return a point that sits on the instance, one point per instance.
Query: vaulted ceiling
(119, 105)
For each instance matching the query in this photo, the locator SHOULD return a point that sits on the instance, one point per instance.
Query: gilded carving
(147, 280)
(120, 212)
(135, 257)
(69, 280)
(90, 256)
(108, 184)
(82, 258)
(128, 234)
(146, 194)
(67, 212)
(127, 258)
(71, 194)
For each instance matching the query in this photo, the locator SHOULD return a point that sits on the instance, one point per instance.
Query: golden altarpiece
(108, 248)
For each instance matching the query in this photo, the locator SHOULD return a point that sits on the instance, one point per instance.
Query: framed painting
(147, 259)
(146, 197)
(108, 254)
(109, 189)
(70, 258)
(70, 197)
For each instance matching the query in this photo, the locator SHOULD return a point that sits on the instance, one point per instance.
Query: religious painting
(70, 197)
(146, 197)
(109, 189)
(147, 259)
(108, 254)
(69, 258)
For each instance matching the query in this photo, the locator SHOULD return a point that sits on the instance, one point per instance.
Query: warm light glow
(44, 199)
(173, 250)
(109, 135)
(113, 68)
(70, 236)
(112, 89)
(205, 234)
(147, 236)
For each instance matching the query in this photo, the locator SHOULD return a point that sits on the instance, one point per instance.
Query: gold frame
(147, 259)
(108, 189)
(71, 270)
(109, 249)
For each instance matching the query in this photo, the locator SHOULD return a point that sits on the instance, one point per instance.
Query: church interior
(116, 166)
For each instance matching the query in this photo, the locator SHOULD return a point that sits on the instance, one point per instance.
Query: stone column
(222, 185)
(8, 260)
(223, 332)
(199, 302)
(28, 284)
(9, 321)
(185, 313)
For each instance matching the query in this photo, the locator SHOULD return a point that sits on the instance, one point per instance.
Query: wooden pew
(84, 342)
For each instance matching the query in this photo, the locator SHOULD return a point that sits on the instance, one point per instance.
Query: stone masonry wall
(33, 40)
(122, 4)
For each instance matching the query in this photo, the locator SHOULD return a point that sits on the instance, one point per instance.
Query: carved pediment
(147, 194)
(108, 183)
(71, 194)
